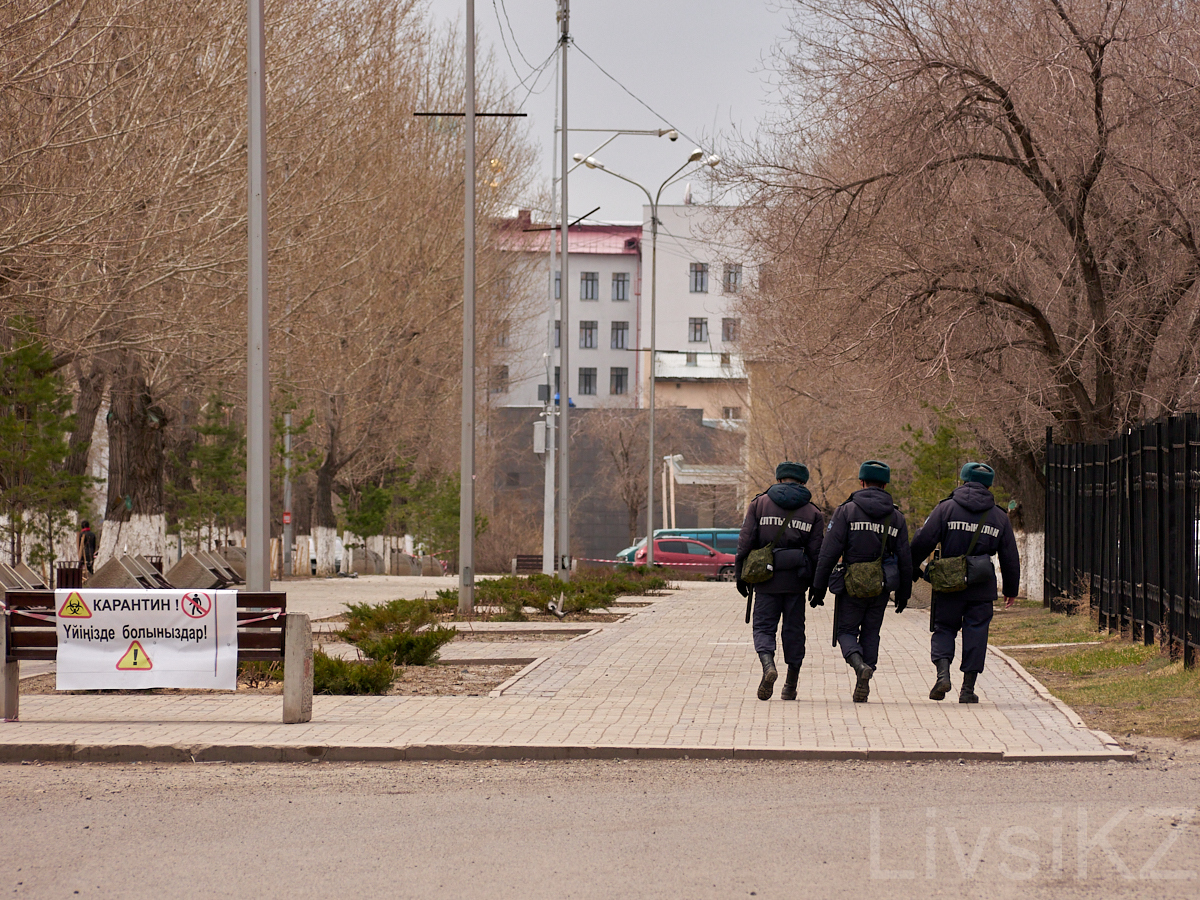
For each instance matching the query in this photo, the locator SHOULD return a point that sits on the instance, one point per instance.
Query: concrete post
(10, 675)
(297, 669)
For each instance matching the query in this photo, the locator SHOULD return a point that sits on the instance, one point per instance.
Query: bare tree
(991, 204)
(123, 226)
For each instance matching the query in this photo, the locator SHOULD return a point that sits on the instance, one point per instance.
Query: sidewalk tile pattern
(674, 678)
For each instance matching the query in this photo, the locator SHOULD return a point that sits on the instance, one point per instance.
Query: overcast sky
(700, 65)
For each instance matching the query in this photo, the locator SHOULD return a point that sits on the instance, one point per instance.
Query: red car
(689, 556)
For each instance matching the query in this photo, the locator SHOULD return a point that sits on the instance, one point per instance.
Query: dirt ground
(443, 679)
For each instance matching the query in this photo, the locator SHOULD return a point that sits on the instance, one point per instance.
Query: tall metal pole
(650, 370)
(549, 564)
(258, 409)
(466, 499)
(564, 405)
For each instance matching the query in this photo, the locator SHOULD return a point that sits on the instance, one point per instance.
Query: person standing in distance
(795, 556)
(87, 546)
(856, 535)
(952, 524)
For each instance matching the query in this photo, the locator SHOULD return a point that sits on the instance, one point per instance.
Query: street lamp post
(695, 156)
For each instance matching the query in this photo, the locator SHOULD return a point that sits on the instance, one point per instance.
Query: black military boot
(967, 694)
(942, 686)
(862, 688)
(789, 683)
(766, 687)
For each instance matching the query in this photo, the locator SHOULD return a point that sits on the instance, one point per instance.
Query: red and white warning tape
(51, 617)
(45, 618)
(274, 615)
(673, 565)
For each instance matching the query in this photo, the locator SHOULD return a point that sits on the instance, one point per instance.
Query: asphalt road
(682, 829)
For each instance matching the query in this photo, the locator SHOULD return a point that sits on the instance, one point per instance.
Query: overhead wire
(618, 83)
(512, 32)
(535, 75)
(504, 42)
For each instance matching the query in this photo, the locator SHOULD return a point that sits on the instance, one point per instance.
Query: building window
(732, 412)
(620, 286)
(733, 278)
(726, 359)
(502, 332)
(512, 479)
(499, 380)
(697, 331)
(557, 387)
(558, 332)
(729, 330)
(618, 380)
(558, 285)
(587, 381)
(693, 359)
(698, 278)
(589, 285)
(620, 336)
(587, 334)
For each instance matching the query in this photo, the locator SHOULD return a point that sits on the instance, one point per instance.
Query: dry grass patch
(1031, 623)
(1118, 686)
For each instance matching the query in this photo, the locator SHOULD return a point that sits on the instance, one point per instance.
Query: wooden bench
(287, 637)
(524, 563)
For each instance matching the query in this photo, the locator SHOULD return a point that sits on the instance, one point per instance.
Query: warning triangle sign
(135, 659)
(74, 607)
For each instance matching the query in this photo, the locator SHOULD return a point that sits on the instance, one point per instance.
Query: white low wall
(1031, 548)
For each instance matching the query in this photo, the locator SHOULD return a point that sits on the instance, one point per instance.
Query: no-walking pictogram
(135, 659)
(196, 605)
(74, 607)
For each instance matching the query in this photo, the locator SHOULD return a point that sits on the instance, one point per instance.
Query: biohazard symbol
(74, 608)
(135, 659)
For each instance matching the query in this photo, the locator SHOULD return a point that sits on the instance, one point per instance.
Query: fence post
(1191, 574)
(1161, 538)
(1050, 524)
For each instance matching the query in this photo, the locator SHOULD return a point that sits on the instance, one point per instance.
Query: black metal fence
(1123, 528)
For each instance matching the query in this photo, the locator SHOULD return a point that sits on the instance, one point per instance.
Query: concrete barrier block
(297, 669)
(10, 676)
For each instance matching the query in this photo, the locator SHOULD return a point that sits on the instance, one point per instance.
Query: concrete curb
(360, 753)
(1112, 750)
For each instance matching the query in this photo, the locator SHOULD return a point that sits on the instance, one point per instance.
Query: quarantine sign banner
(146, 639)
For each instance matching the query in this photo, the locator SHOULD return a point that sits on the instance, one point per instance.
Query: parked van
(723, 540)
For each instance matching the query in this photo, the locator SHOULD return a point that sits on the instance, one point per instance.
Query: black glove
(901, 605)
(743, 588)
(815, 599)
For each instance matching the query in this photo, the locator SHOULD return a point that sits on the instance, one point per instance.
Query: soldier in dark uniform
(952, 524)
(795, 557)
(856, 533)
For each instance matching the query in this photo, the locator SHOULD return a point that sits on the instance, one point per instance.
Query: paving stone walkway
(674, 679)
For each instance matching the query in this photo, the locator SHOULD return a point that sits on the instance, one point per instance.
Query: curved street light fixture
(696, 156)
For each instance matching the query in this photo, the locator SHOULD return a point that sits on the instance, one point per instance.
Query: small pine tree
(38, 499)
(934, 463)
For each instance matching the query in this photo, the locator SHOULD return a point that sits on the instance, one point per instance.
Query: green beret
(874, 470)
(980, 472)
(796, 470)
